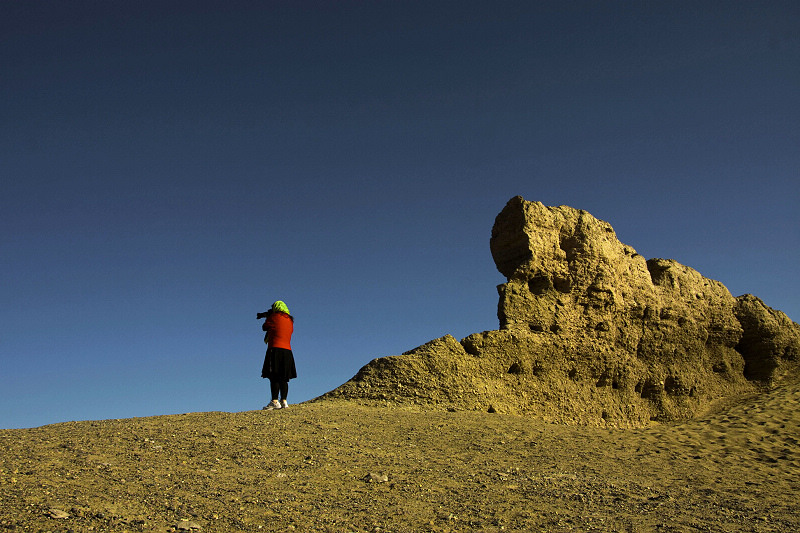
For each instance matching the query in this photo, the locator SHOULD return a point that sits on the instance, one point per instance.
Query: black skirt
(279, 365)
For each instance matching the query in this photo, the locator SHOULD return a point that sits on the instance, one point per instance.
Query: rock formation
(591, 333)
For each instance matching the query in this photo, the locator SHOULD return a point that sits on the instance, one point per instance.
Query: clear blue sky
(168, 169)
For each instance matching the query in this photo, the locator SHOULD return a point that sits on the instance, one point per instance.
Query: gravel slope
(337, 466)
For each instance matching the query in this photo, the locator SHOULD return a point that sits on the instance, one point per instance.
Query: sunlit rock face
(591, 333)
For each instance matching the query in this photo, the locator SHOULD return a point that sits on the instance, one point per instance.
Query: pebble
(188, 526)
(376, 478)
(57, 513)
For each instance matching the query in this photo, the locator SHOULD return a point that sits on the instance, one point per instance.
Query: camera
(259, 316)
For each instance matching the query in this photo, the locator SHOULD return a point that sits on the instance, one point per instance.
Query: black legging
(278, 387)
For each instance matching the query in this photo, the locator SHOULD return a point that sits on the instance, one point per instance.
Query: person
(279, 365)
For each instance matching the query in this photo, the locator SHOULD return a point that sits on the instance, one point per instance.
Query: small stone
(57, 513)
(376, 478)
(188, 526)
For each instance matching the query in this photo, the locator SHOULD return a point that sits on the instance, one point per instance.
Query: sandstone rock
(590, 333)
(770, 342)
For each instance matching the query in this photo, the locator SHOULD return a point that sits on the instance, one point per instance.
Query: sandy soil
(341, 467)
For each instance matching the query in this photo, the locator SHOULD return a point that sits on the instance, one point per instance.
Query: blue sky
(168, 169)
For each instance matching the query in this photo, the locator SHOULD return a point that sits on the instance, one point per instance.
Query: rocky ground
(338, 466)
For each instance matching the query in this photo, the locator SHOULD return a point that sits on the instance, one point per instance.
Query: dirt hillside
(339, 467)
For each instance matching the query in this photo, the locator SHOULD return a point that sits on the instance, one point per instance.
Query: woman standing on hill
(279, 361)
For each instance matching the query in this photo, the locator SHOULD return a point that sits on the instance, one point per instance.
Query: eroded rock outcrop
(591, 333)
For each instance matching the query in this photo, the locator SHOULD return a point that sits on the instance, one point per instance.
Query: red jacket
(279, 327)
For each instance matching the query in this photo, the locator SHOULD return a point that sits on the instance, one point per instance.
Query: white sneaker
(284, 404)
(272, 405)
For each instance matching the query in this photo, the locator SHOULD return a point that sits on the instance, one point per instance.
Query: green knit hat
(280, 306)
